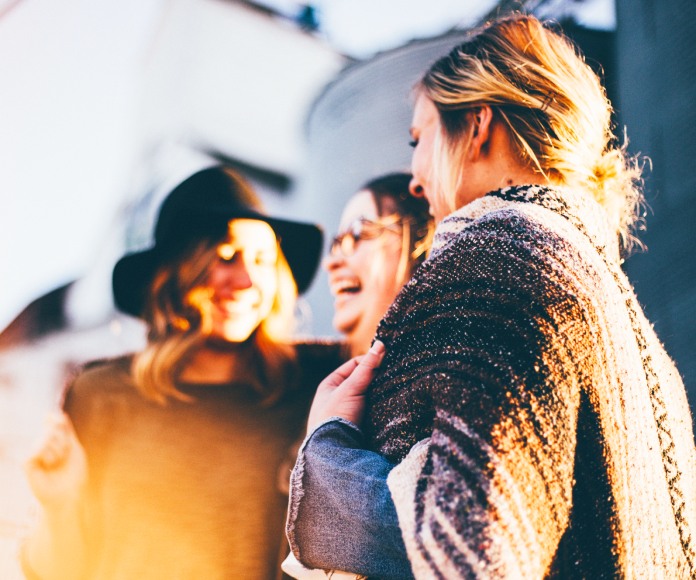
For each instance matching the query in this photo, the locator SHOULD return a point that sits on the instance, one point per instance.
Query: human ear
(481, 119)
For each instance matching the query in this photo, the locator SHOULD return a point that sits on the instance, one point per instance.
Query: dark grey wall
(656, 73)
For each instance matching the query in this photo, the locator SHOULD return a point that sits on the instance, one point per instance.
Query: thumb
(374, 356)
(362, 375)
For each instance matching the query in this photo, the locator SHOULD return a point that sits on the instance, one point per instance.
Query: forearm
(55, 550)
(341, 512)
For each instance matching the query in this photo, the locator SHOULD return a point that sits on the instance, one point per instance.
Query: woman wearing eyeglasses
(385, 235)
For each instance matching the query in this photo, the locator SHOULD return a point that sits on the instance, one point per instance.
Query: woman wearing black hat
(176, 475)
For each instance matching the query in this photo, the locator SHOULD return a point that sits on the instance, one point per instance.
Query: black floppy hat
(200, 208)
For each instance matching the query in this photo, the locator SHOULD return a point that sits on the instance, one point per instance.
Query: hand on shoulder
(342, 393)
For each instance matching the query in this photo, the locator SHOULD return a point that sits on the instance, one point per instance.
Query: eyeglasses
(364, 229)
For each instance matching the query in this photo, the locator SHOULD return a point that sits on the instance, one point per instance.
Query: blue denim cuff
(341, 514)
(331, 425)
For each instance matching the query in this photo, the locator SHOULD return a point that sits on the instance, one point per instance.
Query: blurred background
(106, 105)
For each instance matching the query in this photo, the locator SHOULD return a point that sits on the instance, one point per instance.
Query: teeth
(346, 286)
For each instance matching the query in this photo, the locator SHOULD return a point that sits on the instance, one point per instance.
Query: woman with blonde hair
(166, 463)
(525, 421)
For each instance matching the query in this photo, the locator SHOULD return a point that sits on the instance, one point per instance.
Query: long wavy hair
(178, 326)
(553, 104)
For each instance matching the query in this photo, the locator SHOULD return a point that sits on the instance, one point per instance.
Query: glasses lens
(335, 244)
(348, 244)
(346, 241)
(363, 229)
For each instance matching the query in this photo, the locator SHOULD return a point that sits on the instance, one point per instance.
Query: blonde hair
(553, 105)
(177, 327)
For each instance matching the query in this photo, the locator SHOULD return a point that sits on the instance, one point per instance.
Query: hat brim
(301, 243)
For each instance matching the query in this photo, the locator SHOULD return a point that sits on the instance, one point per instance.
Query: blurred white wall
(68, 72)
(91, 88)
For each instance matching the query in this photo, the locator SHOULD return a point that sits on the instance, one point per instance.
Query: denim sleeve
(341, 514)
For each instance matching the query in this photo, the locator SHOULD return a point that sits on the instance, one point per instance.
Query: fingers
(364, 370)
(55, 447)
(341, 373)
(362, 364)
(341, 394)
(374, 356)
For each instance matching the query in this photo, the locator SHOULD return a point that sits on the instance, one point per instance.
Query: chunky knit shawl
(555, 435)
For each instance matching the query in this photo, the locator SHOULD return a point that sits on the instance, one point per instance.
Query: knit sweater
(555, 434)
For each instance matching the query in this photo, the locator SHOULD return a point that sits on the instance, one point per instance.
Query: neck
(213, 363)
(359, 337)
(498, 165)
(358, 346)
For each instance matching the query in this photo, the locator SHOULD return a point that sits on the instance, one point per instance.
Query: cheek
(267, 282)
(214, 279)
(417, 163)
(422, 156)
(383, 271)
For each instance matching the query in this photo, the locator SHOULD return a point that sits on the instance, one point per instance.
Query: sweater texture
(555, 435)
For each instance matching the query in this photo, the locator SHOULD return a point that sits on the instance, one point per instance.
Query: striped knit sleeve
(496, 349)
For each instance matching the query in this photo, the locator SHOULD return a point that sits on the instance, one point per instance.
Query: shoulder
(504, 227)
(537, 226)
(503, 270)
(95, 383)
(96, 397)
(101, 374)
(507, 249)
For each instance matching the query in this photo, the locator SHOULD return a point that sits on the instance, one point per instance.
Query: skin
(489, 163)
(424, 128)
(59, 450)
(57, 473)
(243, 282)
(365, 283)
(342, 393)
(237, 296)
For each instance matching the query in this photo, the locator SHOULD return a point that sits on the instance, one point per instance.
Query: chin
(345, 327)
(228, 338)
(236, 332)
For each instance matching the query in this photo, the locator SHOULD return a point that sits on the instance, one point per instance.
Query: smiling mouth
(346, 287)
(236, 307)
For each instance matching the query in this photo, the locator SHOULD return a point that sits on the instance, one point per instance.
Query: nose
(415, 188)
(238, 275)
(332, 261)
